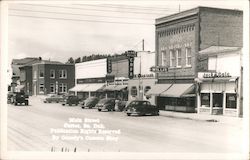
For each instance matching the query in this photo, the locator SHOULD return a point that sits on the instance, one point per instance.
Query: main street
(29, 129)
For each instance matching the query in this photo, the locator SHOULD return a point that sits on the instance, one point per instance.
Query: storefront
(219, 96)
(174, 97)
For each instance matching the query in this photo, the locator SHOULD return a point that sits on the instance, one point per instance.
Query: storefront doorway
(217, 103)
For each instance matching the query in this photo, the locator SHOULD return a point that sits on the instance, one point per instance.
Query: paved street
(29, 129)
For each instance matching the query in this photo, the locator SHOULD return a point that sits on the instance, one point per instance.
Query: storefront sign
(216, 75)
(158, 69)
(131, 67)
(131, 53)
(144, 76)
(91, 80)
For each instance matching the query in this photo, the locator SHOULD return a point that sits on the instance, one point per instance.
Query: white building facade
(220, 88)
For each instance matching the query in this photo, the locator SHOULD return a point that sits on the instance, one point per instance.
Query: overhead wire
(151, 13)
(78, 14)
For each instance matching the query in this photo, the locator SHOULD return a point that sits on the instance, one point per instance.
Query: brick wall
(220, 27)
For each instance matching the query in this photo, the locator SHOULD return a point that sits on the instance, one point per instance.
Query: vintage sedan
(90, 102)
(107, 104)
(70, 100)
(138, 107)
(53, 98)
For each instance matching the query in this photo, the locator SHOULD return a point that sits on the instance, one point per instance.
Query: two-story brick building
(52, 77)
(179, 38)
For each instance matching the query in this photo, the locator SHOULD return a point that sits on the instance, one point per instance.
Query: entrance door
(217, 103)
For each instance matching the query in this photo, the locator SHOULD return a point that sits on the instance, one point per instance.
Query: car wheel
(15, 103)
(26, 103)
(129, 114)
(57, 101)
(82, 107)
(63, 104)
(99, 109)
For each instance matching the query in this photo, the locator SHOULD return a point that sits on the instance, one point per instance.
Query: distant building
(51, 77)
(179, 38)
(220, 86)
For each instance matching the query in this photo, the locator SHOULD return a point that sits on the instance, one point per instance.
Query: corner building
(179, 38)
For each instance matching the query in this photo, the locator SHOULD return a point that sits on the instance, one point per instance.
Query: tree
(78, 60)
(70, 61)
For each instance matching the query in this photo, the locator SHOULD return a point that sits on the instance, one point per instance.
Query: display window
(205, 99)
(231, 100)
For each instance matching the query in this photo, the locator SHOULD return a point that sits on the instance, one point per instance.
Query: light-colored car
(53, 98)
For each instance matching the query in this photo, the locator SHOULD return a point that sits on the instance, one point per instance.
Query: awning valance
(93, 87)
(79, 87)
(114, 87)
(157, 89)
(178, 90)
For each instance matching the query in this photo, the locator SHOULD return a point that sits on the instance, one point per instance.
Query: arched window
(133, 91)
(146, 89)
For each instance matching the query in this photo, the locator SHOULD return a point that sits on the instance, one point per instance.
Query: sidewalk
(203, 117)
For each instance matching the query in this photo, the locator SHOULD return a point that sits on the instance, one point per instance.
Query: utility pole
(142, 44)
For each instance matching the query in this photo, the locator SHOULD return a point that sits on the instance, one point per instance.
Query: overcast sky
(77, 28)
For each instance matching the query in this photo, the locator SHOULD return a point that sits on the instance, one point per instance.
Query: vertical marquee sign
(109, 65)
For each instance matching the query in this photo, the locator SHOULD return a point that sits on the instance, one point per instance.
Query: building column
(211, 102)
(198, 100)
(224, 103)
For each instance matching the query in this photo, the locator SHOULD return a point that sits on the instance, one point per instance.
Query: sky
(59, 30)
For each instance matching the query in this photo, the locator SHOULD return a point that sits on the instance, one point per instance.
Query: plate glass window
(231, 100)
(205, 99)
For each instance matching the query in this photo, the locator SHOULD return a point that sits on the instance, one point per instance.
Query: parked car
(90, 102)
(106, 104)
(20, 98)
(138, 107)
(53, 98)
(70, 99)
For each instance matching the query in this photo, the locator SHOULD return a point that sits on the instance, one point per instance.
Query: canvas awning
(178, 90)
(109, 88)
(78, 87)
(157, 89)
(93, 87)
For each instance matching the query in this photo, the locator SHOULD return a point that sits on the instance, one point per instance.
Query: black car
(106, 104)
(90, 102)
(138, 107)
(20, 98)
(70, 100)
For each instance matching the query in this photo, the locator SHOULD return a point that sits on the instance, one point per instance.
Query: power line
(95, 9)
(78, 14)
(127, 7)
(84, 20)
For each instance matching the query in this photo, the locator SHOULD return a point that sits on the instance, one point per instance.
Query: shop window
(181, 102)
(205, 99)
(62, 73)
(52, 73)
(217, 99)
(41, 88)
(133, 91)
(52, 87)
(188, 56)
(146, 89)
(41, 74)
(231, 100)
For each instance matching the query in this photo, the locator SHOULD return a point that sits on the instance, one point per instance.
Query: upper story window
(147, 88)
(178, 54)
(172, 58)
(52, 73)
(41, 73)
(62, 87)
(163, 58)
(188, 57)
(63, 73)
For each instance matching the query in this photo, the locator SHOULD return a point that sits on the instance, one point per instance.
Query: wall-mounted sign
(159, 69)
(216, 75)
(144, 76)
(109, 65)
(91, 80)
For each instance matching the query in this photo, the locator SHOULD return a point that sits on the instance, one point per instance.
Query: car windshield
(140, 103)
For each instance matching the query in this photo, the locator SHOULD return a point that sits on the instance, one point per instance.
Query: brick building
(52, 77)
(179, 38)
